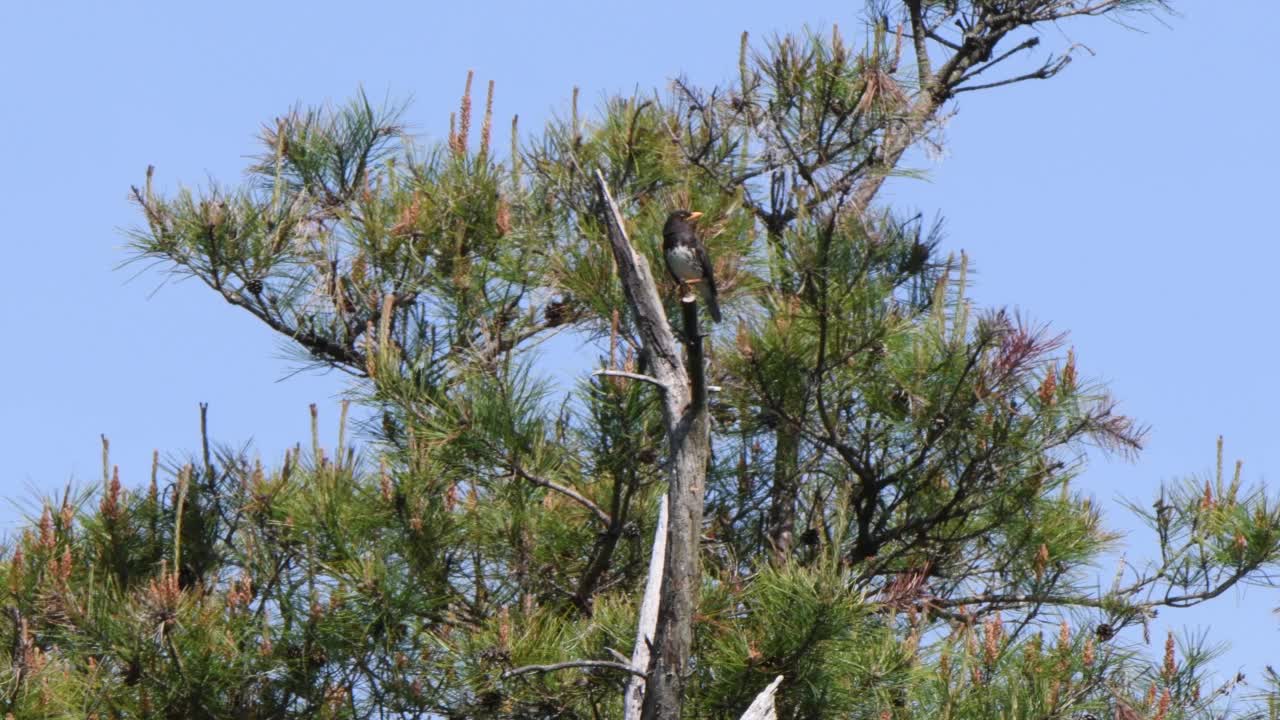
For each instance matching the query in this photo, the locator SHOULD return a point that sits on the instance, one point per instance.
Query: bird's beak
(695, 215)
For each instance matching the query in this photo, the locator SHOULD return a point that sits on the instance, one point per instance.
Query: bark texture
(684, 409)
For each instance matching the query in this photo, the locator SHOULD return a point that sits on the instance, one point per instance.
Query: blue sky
(1123, 201)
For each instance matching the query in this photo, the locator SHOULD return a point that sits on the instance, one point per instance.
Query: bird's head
(678, 220)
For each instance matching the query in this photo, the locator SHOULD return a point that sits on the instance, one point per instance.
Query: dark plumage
(687, 258)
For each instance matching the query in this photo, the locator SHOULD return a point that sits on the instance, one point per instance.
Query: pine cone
(557, 312)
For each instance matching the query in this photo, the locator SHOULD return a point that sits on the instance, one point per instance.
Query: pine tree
(871, 478)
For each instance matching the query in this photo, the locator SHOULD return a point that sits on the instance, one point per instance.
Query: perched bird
(687, 258)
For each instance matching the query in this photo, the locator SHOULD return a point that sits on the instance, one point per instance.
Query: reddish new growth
(1206, 503)
(257, 481)
(408, 218)
(993, 637)
(1020, 347)
(1064, 637)
(503, 219)
(384, 482)
(240, 594)
(1042, 560)
(458, 140)
(60, 571)
(486, 126)
(1170, 659)
(1017, 348)
(17, 568)
(161, 598)
(111, 500)
(27, 656)
(1031, 653)
(905, 588)
(1048, 392)
(47, 538)
(1069, 378)
(743, 341)
(504, 628)
(335, 699)
(1162, 711)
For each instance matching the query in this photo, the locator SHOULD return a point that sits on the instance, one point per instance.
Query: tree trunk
(684, 411)
(786, 485)
(681, 577)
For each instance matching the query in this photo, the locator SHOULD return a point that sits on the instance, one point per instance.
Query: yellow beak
(695, 215)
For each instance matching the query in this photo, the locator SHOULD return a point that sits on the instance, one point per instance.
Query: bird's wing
(708, 271)
(709, 282)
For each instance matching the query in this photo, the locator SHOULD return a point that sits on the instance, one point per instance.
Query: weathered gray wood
(645, 302)
(688, 427)
(763, 707)
(647, 626)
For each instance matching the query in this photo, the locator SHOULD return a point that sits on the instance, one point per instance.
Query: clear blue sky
(1124, 201)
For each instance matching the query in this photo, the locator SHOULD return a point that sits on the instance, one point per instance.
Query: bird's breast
(683, 261)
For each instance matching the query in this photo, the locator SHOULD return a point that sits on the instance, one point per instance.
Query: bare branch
(1047, 71)
(763, 707)
(918, 33)
(566, 491)
(571, 664)
(647, 625)
(1027, 44)
(630, 375)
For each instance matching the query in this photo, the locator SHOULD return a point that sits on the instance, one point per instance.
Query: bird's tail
(709, 296)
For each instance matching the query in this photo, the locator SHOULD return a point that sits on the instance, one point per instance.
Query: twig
(570, 664)
(1047, 71)
(633, 376)
(1027, 44)
(567, 491)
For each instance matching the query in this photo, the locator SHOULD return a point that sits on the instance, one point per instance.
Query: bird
(687, 258)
